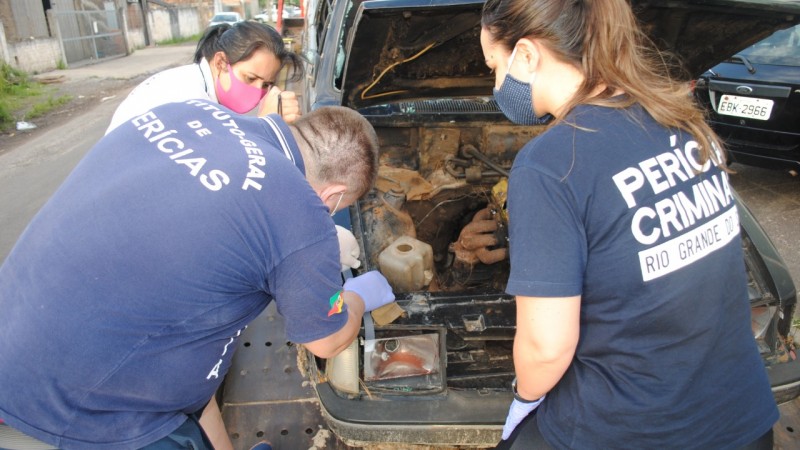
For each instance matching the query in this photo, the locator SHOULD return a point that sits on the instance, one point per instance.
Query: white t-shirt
(192, 81)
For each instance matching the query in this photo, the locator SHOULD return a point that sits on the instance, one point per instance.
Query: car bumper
(465, 419)
(763, 148)
(785, 380)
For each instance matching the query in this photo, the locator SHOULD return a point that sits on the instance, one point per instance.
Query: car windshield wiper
(744, 61)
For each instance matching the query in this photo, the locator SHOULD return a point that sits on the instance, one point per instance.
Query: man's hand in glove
(373, 289)
(518, 411)
(348, 246)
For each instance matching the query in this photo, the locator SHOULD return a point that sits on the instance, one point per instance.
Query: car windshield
(224, 18)
(781, 49)
(352, 7)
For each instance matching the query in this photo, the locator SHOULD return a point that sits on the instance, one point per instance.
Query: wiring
(392, 66)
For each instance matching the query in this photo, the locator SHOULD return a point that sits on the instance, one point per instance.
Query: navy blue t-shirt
(611, 206)
(123, 299)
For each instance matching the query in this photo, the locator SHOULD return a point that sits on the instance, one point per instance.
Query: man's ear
(332, 192)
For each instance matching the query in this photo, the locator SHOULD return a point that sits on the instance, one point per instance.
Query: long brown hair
(603, 40)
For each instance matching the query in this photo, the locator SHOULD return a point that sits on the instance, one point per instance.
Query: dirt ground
(85, 95)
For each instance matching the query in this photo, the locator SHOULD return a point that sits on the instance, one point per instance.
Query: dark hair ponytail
(207, 45)
(240, 40)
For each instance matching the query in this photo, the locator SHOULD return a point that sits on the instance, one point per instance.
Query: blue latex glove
(516, 413)
(372, 287)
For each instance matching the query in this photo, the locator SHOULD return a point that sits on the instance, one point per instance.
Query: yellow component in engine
(499, 197)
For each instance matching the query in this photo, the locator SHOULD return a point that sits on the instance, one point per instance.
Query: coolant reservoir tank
(407, 263)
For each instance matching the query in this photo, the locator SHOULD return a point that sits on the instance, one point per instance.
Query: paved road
(774, 198)
(31, 172)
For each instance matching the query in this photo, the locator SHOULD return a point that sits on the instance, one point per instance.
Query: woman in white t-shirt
(234, 65)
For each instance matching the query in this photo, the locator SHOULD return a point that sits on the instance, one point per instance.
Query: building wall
(174, 23)
(31, 55)
(3, 45)
(135, 38)
(35, 55)
(7, 18)
(191, 22)
(46, 53)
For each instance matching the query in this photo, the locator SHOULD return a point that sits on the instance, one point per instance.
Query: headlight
(342, 369)
(761, 319)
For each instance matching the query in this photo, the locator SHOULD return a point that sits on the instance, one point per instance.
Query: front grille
(449, 106)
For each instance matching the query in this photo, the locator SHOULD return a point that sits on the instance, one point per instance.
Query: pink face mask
(241, 97)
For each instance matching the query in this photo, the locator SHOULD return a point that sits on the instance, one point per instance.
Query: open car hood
(426, 49)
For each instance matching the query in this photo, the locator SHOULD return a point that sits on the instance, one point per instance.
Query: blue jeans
(188, 436)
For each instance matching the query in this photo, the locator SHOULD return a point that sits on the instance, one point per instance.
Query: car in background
(225, 17)
(265, 17)
(753, 101)
(291, 11)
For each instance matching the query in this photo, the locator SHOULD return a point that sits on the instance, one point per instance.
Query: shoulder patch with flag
(336, 302)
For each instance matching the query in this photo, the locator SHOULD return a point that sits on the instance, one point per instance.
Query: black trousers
(527, 437)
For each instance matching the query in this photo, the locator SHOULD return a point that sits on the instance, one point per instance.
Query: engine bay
(435, 221)
(435, 225)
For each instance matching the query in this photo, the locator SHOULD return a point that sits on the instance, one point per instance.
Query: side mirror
(312, 57)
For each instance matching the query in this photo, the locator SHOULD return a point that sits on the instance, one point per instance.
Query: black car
(440, 373)
(753, 101)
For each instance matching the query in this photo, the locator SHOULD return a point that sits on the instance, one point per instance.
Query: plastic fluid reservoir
(407, 263)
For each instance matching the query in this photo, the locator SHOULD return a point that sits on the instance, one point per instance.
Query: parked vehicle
(265, 17)
(225, 17)
(440, 374)
(753, 101)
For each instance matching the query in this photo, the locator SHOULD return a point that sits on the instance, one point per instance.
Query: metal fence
(90, 35)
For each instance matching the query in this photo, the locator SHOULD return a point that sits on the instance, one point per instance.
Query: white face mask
(333, 211)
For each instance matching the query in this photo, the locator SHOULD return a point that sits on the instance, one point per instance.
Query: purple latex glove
(372, 287)
(518, 411)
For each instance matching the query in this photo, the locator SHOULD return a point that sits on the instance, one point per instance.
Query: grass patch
(16, 90)
(22, 98)
(180, 40)
(41, 108)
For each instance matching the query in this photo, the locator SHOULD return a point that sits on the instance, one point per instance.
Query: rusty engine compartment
(444, 186)
(435, 226)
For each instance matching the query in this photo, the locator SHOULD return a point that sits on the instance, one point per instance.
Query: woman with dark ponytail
(235, 65)
(633, 319)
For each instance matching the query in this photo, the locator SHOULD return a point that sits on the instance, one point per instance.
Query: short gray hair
(343, 148)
